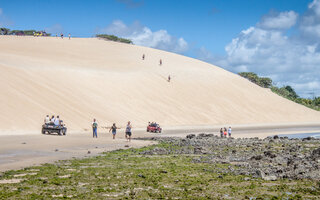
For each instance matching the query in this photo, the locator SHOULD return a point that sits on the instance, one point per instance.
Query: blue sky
(215, 31)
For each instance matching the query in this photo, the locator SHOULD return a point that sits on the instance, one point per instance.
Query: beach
(20, 151)
(86, 78)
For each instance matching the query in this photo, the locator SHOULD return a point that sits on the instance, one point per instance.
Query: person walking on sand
(128, 131)
(61, 35)
(113, 128)
(143, 56)
(69, 36)
(229, 131)
(225, 132)
(160, 62)
(94, 128)
(221, 132)
(169, 78)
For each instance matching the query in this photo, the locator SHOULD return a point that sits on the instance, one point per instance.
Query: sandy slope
(84, 78)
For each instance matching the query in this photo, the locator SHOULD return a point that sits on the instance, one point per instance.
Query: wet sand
(21, 151)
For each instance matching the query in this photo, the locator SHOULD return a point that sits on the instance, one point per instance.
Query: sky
(279, 39)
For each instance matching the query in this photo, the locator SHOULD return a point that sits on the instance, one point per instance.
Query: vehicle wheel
(60, 132)
(147, 130)
(43, 131)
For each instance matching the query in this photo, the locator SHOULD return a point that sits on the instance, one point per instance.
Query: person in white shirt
(57, 121)
(47, 119)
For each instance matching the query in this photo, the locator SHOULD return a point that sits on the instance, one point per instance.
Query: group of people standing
(113, 129)
(53, 120)
(224, 132)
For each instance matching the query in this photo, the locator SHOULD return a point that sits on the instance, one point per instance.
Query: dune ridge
(85, 78)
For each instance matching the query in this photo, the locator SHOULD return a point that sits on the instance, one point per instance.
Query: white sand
(80, 79)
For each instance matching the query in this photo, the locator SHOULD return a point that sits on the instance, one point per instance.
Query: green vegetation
(286, 91)
(114, 38)
(261, 81)
(130, 174)
(6, 31)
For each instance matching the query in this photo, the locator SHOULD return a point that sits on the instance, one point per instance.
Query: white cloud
(267, 50)
(283, 20)
(310, 22)
(315, 7)
(144, 36)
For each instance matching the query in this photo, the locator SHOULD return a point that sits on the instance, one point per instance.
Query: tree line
(6, 31)
(285, 91)
(114, 38)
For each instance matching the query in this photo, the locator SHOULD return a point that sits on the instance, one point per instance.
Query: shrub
(114, 38)
(263, 82)
(286, 91)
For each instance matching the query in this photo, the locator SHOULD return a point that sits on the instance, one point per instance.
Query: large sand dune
(80, 79)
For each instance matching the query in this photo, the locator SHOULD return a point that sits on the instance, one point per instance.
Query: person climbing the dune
(169, 78)
(143, 56)
(128, 131)
(160, 62)
(94, 128)
(114, 128)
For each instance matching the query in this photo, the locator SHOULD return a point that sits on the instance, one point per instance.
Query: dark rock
(141, 175)
(204, 135)
(190, 136)
(89, 152)
(56, 150)
(258, 157)
(260, 173)
(270, 158)
(315, 154)
(23, 143)
(163, 172)
(307, 138)
(126, 145)
(270, 154)
(198, 150)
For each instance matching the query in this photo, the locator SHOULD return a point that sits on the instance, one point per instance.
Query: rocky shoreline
(271, 158)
